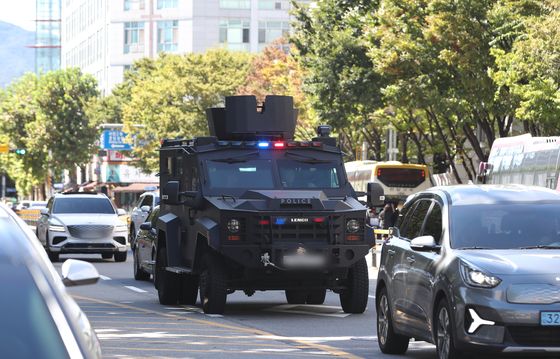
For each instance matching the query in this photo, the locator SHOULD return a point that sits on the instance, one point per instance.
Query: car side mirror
(121, 212)
(145, 209)
(424, 243)
(375, 195)
(44, 212)
(170, 193)
(75, 272)
(146, 226)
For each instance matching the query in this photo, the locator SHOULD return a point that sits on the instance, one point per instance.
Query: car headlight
(233, 225)
(477, 277)
(352, 226)
(56, 228)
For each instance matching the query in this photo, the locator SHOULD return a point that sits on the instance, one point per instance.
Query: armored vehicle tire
(189, 289)
(389, 341)
(294, 296)
(120, 256)
(139, 273)
(316, 296)
(106, 255)
(166, 282)
(355, 297)
(213, 285)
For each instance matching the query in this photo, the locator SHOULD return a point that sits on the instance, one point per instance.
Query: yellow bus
(399, 180)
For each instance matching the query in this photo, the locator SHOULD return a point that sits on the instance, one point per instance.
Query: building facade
(47, 35)
(104, 37)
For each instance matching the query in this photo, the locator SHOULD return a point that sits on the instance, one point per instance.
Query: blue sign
(114, 140)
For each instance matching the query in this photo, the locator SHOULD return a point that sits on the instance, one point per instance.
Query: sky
(18, 12)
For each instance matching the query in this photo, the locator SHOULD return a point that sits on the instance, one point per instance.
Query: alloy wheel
(382, 319)
(443, 333)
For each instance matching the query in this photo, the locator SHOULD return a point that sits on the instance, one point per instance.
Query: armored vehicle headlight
(233, 225)
(352, 226)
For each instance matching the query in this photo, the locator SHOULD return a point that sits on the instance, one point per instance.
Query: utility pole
(3, 186)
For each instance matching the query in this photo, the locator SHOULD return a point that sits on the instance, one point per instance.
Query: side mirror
(170, 193)
(375, 195)
(75, 272)
(44, 212)
(424, 243)
(121, 212)
(145, 209)
(146, 226)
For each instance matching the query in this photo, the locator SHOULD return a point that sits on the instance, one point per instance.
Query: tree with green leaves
(338, 75)
(47, 117)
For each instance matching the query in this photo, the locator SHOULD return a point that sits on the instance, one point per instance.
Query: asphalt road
(132, 324)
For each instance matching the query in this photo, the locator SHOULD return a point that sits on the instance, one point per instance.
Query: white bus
(399, 180)
(523, 160)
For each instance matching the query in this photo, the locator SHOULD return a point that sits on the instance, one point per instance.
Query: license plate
(304, 260)
(550, 319)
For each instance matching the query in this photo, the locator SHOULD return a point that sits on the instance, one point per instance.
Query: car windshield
(506, 226)
(255, 174)
(29, 330)
(296, 174)
(83, 205)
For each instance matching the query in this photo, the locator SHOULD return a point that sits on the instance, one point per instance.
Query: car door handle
(391, 252)
(411, 259)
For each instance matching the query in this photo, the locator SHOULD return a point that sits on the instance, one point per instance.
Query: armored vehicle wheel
(213, 285)
(189, 289)
(166, 282)
(106, 255)
(139, 273)
(316, 296)
(355, 297)
(294, 296)
(120, 256)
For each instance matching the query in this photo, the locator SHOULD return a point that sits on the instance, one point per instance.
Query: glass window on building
(133, 37)
(235, 4)
(272, 30)
(234, 34)
(274, 4)
(166, 4)
(134, 5)
(167, 35)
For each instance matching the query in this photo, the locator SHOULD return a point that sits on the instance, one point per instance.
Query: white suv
(82, 223)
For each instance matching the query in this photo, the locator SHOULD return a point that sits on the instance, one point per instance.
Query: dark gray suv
(473, 268)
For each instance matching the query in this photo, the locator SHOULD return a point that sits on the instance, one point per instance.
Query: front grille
(533, 294)
(93, 231)
(88, 245)
(535, 336)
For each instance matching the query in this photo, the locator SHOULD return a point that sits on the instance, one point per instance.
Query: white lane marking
(316, 339)
(287, 350)
(138, 290)
(319, 310)
(371, 296)
(104, 277)
(182, 312)
(126, 302)
(214, 315)
(106, 330)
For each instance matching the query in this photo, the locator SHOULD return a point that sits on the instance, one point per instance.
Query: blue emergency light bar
(263, 144)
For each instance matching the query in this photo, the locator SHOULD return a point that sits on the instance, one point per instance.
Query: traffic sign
(4, 148)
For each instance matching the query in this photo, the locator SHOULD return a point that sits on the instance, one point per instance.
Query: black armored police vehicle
(251, 209)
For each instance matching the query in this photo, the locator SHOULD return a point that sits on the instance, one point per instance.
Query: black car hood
(286, 200)
(514, 261)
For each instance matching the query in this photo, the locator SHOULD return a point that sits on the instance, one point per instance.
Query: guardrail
(30, 216)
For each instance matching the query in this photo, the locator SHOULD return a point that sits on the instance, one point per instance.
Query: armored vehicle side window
(295, 174)
(246, 174)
